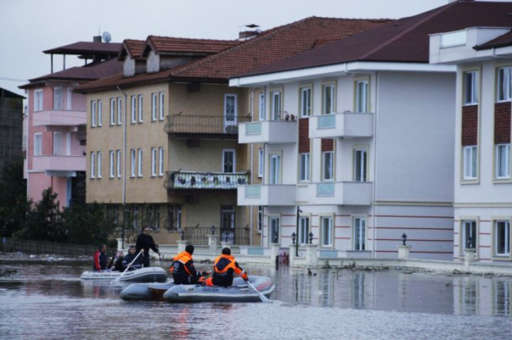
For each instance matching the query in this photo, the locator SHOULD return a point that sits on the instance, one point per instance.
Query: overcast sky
(29, 26)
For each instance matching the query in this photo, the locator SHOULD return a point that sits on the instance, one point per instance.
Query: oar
(129, 265)
(263, 298)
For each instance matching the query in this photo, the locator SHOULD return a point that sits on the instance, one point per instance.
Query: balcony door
(274, 229)
(275, 169)
(230, 111)
(360, 165)
(228, 160)
(227, 224)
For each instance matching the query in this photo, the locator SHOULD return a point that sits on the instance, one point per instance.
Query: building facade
(11, 128)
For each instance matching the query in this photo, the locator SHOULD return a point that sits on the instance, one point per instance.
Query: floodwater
(44, 301)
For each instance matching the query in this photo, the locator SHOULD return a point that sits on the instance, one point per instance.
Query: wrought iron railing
(183, 123)
(206, 180)
(199, 235)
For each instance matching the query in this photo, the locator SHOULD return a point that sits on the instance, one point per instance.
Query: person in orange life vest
(100, 258)
(182, 267)
(223, 269)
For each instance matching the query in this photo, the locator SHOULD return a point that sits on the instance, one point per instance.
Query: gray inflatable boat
(148, 274)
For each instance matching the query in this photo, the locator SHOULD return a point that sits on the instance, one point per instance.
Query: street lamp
(310, 237)
(404, 239)
(294, 238)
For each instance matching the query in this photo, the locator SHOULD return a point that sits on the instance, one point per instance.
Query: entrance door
(227, 224)
(274, 229)
(230, 111)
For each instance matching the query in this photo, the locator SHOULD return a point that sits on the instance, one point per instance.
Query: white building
(358, 133)
(483, 190)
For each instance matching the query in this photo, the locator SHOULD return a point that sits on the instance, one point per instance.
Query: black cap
(226, 251)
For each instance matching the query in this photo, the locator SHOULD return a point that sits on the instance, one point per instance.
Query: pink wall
(40, 182)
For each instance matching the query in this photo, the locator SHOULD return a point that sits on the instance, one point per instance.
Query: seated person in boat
(145, 241)
(116, 263)
(182, 267)
(100, 258)
(223, 269)
(130, 257)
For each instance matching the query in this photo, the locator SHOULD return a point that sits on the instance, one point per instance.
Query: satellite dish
(106, 37)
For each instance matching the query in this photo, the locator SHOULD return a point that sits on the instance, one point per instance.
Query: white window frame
(362, 174)
(505, 174)
(38, 100)
(140, 106)
(235, 109)
(112, 102)
(153, 162)
(93, 113)
(69, 100)
(359, 223)
(504, 84)
(111, 164)
(305, 101)
(261, 216)
(133, 164)
(58, 91)
(271, 220)
(224, 151)
(470, 162)
(92, 165)
(261, 162)
(274, 168)
(474, 88)
(324, 166)
(119, 110)
(325, 89)
(326, 239)
(38, 146)
(118, 164)
(262, 115)
(161, 105)
(153, 106)
(507, 237)
(160, 161)
(304, 159)
(68, 143)
(99, 167)
(140, 155)
(361, 96)
(134, 106)
(471, 224)
(99, 107)
(276, 114)
(58, 143)
(304, 229)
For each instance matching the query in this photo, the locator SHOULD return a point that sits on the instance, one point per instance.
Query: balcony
(335, 193)
(186, 125)
(64, 166)
(59, 118)
(269, 131)
(347, 125)
(266, 194)
(193, 180)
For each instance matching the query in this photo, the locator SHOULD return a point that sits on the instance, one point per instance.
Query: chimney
(252, 31)
(96, 38)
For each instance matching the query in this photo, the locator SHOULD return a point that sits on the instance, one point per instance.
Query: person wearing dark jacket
(100, 258)
(223, 269)
(132, 254)
(116, 262)
(146, 242)
(182, 267)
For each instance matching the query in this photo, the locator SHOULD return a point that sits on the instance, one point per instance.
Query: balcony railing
(206, 180)
(186, 124)
(266, 194)
(59, 118)
(58, 163)
(346, 125)
(269, 131)
(337, 193)
(198, 235)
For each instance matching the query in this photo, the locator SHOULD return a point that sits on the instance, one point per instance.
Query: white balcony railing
(59, 118)
(267, 194)
(206, 180)
(269, 131)
(58, 163)
(335, 193)
(346, 124)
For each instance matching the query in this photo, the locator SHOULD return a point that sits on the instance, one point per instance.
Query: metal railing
(198, 235)
(204, 124)
(206, 180)
(45, 247)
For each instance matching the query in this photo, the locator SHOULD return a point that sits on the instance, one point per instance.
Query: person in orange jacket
(182, 267)
(224, 268)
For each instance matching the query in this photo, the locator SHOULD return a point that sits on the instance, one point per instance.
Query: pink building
(57, 121)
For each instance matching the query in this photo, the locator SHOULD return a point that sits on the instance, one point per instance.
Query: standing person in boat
(100, 258)
(223, 269)
(129, 258)
(146, 242)
(182, 268)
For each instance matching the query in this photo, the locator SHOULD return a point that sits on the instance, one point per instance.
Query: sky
(27, 27)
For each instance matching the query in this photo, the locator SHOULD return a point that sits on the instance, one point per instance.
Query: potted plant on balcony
(241, 180)
(182, 180)
(216, 180)
(193, 181)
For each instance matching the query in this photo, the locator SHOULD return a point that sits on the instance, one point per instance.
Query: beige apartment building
(162, 137)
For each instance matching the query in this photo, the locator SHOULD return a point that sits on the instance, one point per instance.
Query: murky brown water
(49, 301)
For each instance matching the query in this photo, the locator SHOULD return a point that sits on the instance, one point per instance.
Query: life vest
(180, 262)
(224, 263)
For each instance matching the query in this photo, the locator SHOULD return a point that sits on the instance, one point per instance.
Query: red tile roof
(501, 41)
(269, 46)
(132, 47)
(404, 40)
(87, 47)
(173, 45)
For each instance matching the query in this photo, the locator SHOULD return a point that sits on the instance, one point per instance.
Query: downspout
(123, 196)
(251, 208)
(375, 164)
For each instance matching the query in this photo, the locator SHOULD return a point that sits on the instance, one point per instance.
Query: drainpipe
(375, 162)
(251, 208)
(123, 198)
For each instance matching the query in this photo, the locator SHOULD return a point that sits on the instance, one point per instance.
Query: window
(118, 163)
(160, 161)
(326, 231)
(139, 162)
(111, 163)
(153, 106)
(261, 162)
(502, 161)
(303, 229)
(469, 234)
(305, 101)
(38, 100)
(134, 108)
(304, 167)
(153, 161)
(162, 105)
(260, 218)
(276, 105)
(141, 105)
(228, 161)
(38, 144)
(112, 111)
(274, 229)
(504, 86)
(361, 96)
(470, 164)
(58, 143)
(262, 113)
(69, 96)
(93, 164)
(99, 167)
(275, 169)
(359, 233)
(230, 109)
(327, 99)
(133, 158)
(93, 113)
(327, 166)
(119, 111)
(502, 238)
(360, 165)
(58, 98)
(470, 88)
(100, 112)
